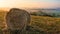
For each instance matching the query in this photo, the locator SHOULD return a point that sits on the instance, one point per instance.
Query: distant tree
(33, 13)
(41, 13)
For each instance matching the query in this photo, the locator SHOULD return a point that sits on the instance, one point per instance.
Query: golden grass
(46, 24)
(39, 23)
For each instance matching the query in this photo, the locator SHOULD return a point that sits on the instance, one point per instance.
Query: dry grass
(2, 20)
(44, 24)
(39, 24)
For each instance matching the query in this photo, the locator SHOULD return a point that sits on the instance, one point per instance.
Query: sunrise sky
(30, 3)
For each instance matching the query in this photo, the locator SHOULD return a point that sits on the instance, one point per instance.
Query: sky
(30, 3)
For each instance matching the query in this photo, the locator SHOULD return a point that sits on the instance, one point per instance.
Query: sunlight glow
(30, 3)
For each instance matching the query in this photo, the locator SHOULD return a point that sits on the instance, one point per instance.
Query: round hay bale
(17, 19)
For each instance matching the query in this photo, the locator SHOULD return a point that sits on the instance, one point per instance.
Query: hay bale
(17, 19)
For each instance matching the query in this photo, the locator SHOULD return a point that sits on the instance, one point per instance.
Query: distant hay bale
(17, 19)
